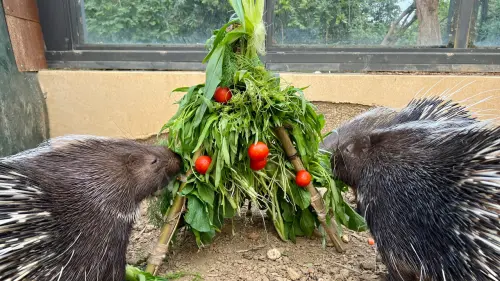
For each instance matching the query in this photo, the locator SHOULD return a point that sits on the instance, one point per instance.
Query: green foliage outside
(331, 22)
(488, 26)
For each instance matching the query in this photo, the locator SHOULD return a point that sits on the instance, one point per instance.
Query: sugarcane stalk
(171, 219)
(316, 199)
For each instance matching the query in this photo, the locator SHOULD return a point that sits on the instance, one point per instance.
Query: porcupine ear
(376, 138)
(365, 143)
(132, 159)
(359, 145)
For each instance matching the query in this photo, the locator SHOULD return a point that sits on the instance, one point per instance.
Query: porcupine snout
(173, 162)
(331, 144)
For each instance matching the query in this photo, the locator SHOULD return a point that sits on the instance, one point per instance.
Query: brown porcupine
(427, 181)
(67, 207)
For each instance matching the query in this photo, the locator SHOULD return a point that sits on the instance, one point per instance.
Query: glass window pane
(362, 23)
(178, 22)
(487, 23)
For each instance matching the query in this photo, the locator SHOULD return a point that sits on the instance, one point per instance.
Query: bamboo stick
(172, 218)
(316, 199)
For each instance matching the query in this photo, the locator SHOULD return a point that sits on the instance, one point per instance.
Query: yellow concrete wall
(135, 104)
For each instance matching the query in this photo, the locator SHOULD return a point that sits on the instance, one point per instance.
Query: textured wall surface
(136, 104)
(22, 107)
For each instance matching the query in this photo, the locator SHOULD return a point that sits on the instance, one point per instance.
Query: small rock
(273, 254)
(286, 259)
(262, 258)
(334, 270)
(254, 235)
(247, 256)
(367, 265)
(345, 238)
(263, 270)
(344, 273)
(294, 275)
(368, 277)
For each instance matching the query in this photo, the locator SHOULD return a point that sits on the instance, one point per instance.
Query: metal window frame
(65, 50)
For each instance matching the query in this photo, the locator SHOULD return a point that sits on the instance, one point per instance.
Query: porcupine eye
(349, 148)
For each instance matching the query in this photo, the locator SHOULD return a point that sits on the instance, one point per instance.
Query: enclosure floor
(242, 255)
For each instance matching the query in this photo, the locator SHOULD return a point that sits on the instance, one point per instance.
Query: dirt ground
(240, 251)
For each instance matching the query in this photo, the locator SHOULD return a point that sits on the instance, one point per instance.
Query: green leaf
(214, 71)
(218, 168)
(206, 194)
(218, 218)
(300, 196)
(181, 89)
(234, 35)
(355, 221)
(225, 152)
(220, 35)
(301, 144)
(297, 228)
(188, 188)
(290, 232)
(307, 222)
(133, 273)
(238, 9)
(203, 238)
(229, 210)
(303, 99)
(213, 78)
(197, 215)
(288, 213)
(203, 134)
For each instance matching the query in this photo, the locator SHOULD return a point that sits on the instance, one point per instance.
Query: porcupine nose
(173, 161)
(331, 142)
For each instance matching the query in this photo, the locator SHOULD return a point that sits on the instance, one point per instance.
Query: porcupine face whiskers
(350, 144)
(156, 167)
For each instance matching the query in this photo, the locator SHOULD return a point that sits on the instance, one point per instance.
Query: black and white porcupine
(427, 181)
(67, 207)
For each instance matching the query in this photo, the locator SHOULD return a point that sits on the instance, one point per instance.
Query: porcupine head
(67, 207)
(427, 181)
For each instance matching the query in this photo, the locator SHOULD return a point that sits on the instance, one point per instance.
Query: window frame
(65, 50)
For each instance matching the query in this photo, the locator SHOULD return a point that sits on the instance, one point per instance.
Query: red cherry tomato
(303, 178)
(371, 241)
(258, 164)
(222, 94)
(202, 163)
(258, 151)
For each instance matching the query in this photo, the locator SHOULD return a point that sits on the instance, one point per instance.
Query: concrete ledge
(393, 90)
(136, 104)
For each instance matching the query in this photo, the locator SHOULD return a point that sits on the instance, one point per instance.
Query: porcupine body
(427, 181)
(67, 207)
